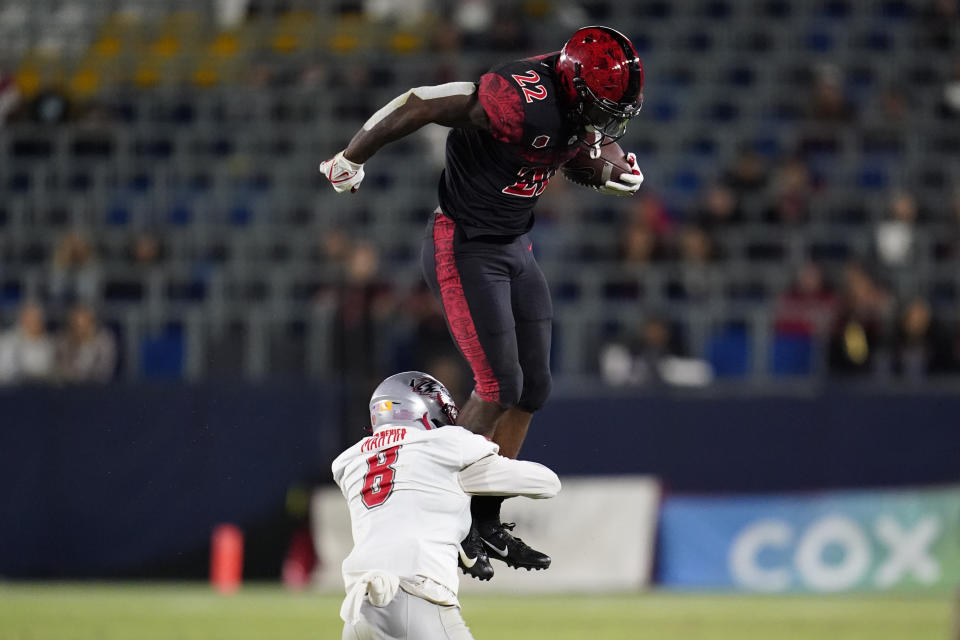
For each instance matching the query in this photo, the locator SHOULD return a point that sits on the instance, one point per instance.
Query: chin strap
(595, 145)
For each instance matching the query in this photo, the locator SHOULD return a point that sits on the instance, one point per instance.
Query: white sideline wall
(600, 532)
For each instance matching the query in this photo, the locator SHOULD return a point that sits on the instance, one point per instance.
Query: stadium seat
(227, 177)
(162, 355)
(728, 352)
(791, 355)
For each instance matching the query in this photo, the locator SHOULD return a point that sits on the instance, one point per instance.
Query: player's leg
(480, 416)
(453, 624)
(533, 316)
(429, 621)
(472, 279)
(533, 320)
(382, 623)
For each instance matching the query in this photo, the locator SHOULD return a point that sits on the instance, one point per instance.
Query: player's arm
(454, 104)
(497, 475)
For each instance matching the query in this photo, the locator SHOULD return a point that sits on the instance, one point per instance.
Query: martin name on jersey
(409, 490)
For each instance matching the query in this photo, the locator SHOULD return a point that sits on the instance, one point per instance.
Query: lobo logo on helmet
(431, 388)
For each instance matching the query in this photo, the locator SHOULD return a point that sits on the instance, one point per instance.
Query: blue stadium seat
(118, 215)
(10, 293)
(791, 355)
(818, 41)
(141, 182)
(686, 181)
(664, 111)
(80, 182)
(728, 352)
(835, 9)
(19, 182)
(180, 214)
(895, 9)
(239, 215)
(162, 355)
(873, 177)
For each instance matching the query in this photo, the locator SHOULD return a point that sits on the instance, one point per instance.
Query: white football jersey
(408, 509)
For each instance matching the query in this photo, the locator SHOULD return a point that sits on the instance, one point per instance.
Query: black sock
(486, 508)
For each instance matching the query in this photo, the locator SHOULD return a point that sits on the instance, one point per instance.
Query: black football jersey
(493, 178)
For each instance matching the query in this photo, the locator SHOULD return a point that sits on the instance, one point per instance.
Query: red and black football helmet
(602, 77)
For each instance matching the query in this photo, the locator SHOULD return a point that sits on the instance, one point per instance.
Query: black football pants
(497, 306)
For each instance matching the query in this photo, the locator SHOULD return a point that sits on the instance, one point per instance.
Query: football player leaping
(408, 487)
(511, 131)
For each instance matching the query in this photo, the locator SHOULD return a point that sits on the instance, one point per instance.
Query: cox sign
(835, 553)
(828, 542)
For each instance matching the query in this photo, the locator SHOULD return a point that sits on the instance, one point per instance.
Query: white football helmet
(412, 399)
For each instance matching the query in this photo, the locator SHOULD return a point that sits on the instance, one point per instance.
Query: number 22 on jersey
(378, 482)
(537, 92)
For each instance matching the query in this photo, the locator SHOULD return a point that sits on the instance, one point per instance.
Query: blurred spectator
(314, 76)
(640, 245)
(648, 210)
(695, 247)
(362, 326)
(26, 351)
(429, 346)
(894, 239)
(331, 250)
(894, 105)
(75, 275)
(509, 33)
(949, 107)
(354, 96)
(808, 305)
(947, 247)
(9, 96)
(474, 19)
(641, 240)
(953, 345)
(695, 280)
(85, 351)
(939, 23)
(447, 39)
(828, 103)
(651, 353)
(146, 250)
(407, 13)
(719, 208)
(919, 349)
(860, 341)
(792, 190)
(49, 107)
(748, 175)
(882, 132)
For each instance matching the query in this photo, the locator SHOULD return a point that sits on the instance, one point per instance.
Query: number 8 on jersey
(378, 483)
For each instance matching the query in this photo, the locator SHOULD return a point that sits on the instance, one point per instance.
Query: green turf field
(185, 612)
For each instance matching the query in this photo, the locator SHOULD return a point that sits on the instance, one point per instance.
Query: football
(594, 172)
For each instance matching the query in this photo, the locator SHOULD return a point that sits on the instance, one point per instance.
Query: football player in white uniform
(408, 486)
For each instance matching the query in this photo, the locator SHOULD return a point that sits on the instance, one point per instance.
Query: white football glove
(343, 174)
(628, 183)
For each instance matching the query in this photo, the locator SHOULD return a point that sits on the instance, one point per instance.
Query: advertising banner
(830, 542)
(598, 531)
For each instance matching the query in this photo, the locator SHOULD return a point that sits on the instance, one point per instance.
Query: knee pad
(536, 390)
(511, 388)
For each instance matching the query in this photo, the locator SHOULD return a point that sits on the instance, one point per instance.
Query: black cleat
(503, 546)
(473, 558)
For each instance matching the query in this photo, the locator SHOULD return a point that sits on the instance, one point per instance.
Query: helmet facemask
(604, 116)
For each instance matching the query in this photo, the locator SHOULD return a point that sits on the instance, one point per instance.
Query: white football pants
(408, 617)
